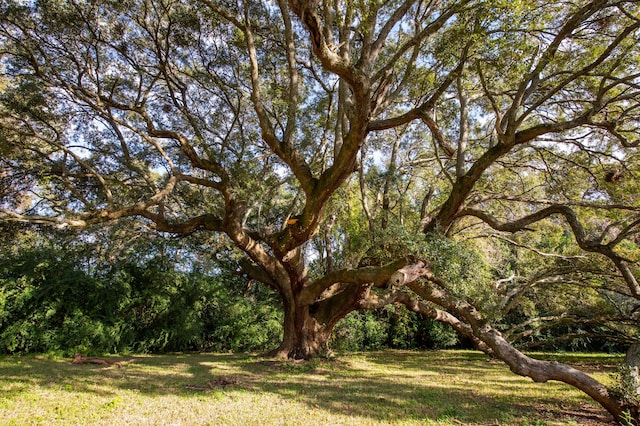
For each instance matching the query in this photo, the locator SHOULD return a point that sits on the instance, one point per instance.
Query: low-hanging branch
(434, 290)
(376, 300)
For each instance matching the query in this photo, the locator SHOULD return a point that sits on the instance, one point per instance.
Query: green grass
(388, 387)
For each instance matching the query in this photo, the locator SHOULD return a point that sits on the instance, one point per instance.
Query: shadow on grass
(384, 386)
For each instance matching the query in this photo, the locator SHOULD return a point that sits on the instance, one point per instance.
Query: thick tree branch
(539, 371)
(528, 135)
(393, 20)
(292, 99)
(376, 275)
(375, 300)
(323, 48)
(258, 274)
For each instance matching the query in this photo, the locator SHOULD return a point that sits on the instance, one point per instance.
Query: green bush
(349, 335)
(48, 303)
(391, 327)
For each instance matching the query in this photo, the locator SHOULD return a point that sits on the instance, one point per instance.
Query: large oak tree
(466, 129)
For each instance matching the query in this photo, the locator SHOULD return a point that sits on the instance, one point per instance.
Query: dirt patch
(585, 415)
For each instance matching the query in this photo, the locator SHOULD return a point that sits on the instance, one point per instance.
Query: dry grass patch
(388, 387)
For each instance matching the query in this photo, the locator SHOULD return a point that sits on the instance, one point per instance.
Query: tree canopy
(472, 160)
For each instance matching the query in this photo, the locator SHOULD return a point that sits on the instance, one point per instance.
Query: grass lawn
(375, 388)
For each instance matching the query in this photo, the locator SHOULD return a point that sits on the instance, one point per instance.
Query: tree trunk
(308, 326)
(304, 336)
(306, 331)
(631, 382)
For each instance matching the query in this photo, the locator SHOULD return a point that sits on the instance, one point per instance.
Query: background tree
(249, 119)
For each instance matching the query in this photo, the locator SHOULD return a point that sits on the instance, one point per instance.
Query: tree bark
(307, 328)
(631, 380)
(304, 336)
(308, 323)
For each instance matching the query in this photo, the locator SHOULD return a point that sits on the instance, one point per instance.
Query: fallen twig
(79, 359)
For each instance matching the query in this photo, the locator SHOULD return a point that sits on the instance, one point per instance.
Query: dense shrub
(50, 304)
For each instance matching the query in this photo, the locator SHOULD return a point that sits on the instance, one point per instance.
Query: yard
(373, 388)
